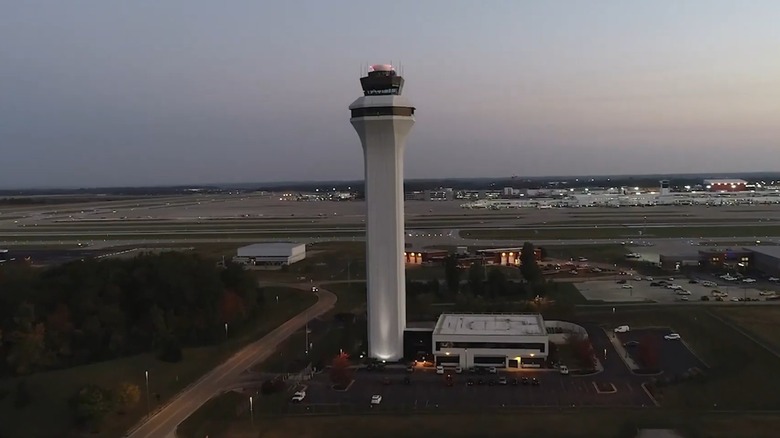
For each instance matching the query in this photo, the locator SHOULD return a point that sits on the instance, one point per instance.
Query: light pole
(252, 411)
(148, 401)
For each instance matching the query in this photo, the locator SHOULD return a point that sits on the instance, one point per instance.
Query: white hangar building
(490, 340)
(271, 254)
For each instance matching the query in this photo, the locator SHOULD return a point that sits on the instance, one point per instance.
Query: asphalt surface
(428, 391)
(674, 357)
(163, 422)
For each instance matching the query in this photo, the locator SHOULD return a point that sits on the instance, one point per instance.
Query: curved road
(163, 422)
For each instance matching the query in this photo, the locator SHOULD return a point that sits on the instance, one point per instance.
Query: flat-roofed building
(271, 254)
(491, 340)
(725, 185)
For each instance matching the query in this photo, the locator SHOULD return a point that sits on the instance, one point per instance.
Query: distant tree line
(95, 310)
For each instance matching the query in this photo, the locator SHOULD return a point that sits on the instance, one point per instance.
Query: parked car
(621, 282)
(458, 370)
(774, 279)
(439, 369)
(749, 280)
(298, 396)
(622, 329)
(649, 278)
(631, 344)
(655, 284)
(492, 370)
(705, 298)
(627, 286)
(564, 370)
(376, 399)
(672, 337)
(502, 381)
(693, 281)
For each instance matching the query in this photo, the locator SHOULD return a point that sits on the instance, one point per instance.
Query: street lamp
(148, 402)
(252, 411)
(226, 331)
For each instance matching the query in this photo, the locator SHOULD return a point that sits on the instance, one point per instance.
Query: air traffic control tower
(383, 119)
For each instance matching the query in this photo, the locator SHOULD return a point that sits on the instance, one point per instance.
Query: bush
(273, 386)
(170, 351)
(22, 395)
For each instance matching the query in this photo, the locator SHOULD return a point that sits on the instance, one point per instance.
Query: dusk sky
(105, 93)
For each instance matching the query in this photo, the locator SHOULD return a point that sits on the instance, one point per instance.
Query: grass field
(51, 390)
(763, 322)
(621, 232)
(742, 375)
(587, 423)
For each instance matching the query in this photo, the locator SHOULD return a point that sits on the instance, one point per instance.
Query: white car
(709, 284)
(622, 329)
(735, 299)
(683, 292)
(492, 370)
(672, 336)
(458, 370)
(649, 278)
(439, 369)
(376, 399)
(749, 280)
(683, 298)
(766, 292)
(298, 396)
(627, 286)
(315, 289)
(564, 370)
(774, 279)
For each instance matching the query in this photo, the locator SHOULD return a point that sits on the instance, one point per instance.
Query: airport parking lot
(640, 290)
(674, 357)
(428, 391)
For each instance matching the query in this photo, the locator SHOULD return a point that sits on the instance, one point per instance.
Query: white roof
(522, 324)
(725, 181)
(268, 249)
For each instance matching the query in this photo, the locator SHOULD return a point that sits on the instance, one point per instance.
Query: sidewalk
(630, 363)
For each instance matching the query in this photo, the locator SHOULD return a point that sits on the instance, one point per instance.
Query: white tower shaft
(384, 140)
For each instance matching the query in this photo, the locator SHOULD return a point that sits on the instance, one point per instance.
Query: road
(442, 239)
(163, 422)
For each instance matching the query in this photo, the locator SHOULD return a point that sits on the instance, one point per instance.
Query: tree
(340, 371)
(127, 395)
(27, 340)
(649, 352)
(91, 404)
(497, 285)
(476, 279)
(582, 349)
(528, 267)
(452, 274)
